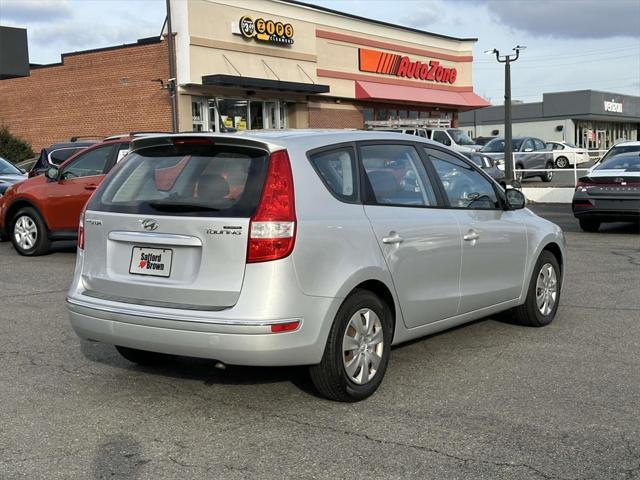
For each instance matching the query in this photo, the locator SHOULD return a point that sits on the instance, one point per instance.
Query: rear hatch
(169, 226)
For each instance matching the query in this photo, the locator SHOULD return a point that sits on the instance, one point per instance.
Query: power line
(550, 64)
(569, 55)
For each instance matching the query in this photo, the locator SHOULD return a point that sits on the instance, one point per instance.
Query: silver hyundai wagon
(304, 248)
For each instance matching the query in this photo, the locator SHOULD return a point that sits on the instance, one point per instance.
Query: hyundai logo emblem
(149, 224)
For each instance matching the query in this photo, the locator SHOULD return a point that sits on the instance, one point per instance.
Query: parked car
(486, 163)
(56, 154)
(529, 153)
(566, 154)
(609, 193)
(46, 208)
(617, 149)
(287, 248)
(27, 165)
(9, 175)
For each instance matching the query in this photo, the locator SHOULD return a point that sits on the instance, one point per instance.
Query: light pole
(508, 148)
(172, 84)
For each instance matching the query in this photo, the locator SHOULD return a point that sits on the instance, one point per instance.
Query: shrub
(14, 148)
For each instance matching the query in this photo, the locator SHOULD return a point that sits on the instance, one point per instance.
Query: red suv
(45, 208)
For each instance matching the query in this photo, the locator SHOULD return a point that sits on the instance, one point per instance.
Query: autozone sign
(376, 61)
(613, 106)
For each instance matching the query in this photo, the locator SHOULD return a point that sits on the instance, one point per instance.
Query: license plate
(155, 262)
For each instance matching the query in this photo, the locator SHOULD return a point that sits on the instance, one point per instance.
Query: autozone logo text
(402, 66)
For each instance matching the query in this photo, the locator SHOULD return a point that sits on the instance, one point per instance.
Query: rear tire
(545, 285)
(347, 347)
(548, 176)
(589, 225)
(143, 357)
(29, 233)
(562, 162)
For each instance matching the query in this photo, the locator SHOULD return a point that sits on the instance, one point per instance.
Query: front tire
(548, 176)
(29, 233)
(356, 355)
(543, 296)
(143, 357)
(589, 225)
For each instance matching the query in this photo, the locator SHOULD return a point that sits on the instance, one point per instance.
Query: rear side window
(186, 180)
(338, 171)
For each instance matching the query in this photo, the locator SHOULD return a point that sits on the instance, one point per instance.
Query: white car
(566, 154)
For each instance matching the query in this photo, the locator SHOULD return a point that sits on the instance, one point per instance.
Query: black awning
(262, 84)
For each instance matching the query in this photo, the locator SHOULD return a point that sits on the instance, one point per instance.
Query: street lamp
(508, 148)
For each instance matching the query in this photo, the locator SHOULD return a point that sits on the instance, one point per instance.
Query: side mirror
(515, 199)
(52, 173)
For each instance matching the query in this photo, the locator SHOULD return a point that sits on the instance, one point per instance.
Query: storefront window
(367, 114)
(233, 113)
(413, 115)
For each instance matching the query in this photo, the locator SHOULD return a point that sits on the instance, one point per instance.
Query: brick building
(250, 65)
(93, 93)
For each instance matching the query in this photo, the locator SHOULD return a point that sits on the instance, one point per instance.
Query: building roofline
(370, 20)
(140, 42)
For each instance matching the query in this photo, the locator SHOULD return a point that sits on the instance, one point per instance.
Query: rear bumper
(232, 342)
(606, 209)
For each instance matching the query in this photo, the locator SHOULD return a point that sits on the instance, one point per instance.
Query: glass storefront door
(271, 115)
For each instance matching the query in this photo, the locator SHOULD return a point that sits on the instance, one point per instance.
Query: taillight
(584, 182)
(81, 232)
(272, 230)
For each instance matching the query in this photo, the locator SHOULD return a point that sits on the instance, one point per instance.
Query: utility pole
(171, 83)
(508, 138)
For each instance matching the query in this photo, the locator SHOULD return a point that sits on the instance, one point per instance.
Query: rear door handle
(471, 236)
(392, 238)
(90, 187)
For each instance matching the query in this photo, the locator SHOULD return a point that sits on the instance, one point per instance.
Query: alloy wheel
(25, 232)
(362, 346)
(546, 289)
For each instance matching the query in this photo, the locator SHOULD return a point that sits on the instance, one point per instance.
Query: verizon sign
(613, 106)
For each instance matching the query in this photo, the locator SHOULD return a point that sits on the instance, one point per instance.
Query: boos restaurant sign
(375, 61)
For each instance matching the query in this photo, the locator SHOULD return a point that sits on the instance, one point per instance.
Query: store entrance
(271, 115)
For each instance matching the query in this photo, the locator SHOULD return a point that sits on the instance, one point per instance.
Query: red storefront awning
(403, 93)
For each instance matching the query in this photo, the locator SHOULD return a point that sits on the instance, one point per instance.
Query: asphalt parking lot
(487, 400)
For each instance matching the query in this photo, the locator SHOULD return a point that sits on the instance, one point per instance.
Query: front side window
(465, 187)
(89, 164)
(186, 180)
(528, 146)
(460, 137)
(441, 137)
(338, 170)
(539, 144)
(396, 176)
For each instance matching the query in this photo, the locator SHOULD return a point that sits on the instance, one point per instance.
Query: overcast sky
(571, 44)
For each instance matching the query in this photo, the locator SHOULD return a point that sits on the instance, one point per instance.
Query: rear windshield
(618, 150)
(622, 162)
(185, 180)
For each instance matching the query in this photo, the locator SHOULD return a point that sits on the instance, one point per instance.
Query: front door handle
(392, 238)
(471, 236)
(90, 187)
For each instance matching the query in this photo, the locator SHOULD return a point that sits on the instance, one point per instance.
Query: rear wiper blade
(181, 207)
